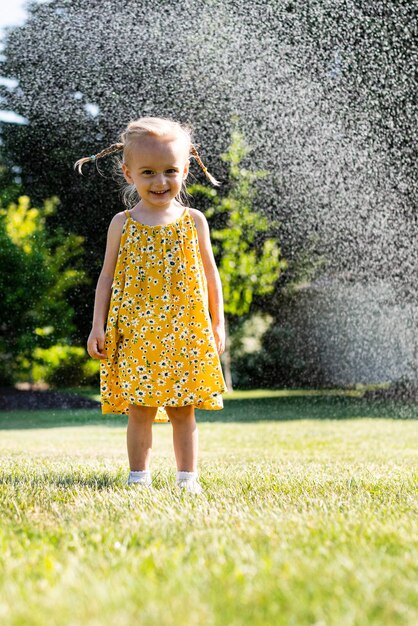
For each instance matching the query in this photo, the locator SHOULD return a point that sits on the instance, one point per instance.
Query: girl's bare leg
(185, 437)
(139, 436)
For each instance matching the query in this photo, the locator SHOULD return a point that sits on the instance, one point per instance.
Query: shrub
(64, 366)
(38, 270)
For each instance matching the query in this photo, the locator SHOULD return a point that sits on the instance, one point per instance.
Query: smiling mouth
(160, 193)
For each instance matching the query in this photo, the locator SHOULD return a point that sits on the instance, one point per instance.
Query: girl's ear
(186, 169)
(126, 173)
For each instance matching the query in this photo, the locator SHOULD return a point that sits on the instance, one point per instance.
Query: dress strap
(128, 215)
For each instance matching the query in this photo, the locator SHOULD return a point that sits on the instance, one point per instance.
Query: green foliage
(247, 334)
(249, 263)
(38, 270)
(62, 365)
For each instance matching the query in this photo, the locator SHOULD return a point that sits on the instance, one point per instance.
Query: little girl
(160, 350)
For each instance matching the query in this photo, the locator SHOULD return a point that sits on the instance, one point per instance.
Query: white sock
(142, 476)
(186, 475)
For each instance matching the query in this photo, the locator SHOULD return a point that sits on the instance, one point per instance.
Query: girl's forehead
(151, 152)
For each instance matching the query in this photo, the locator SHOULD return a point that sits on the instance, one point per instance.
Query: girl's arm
(95, 342)
(213, 279)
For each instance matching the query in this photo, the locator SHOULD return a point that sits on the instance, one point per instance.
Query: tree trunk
(226, 357)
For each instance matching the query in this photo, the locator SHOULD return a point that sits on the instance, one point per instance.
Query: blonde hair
(142, 127)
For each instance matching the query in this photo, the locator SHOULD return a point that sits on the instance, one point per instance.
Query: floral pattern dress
(159, 342)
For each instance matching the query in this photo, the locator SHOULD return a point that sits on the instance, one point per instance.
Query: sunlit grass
(302, 521)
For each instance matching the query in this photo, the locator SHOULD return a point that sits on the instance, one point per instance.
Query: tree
(249, 263)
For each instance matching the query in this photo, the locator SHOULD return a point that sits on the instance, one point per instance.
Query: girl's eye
(150, 171)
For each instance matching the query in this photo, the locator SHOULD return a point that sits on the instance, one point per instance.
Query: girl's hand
(219, 334)
(96, 343)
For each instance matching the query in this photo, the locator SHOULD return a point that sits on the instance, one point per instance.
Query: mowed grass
(308, 517)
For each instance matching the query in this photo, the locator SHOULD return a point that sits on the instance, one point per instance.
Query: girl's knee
(142, 412)
(180, 412)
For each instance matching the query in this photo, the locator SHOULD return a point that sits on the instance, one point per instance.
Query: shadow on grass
(100, 481)
(241, 410)
(67, 480)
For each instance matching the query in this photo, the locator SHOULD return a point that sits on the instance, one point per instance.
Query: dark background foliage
(323, 91)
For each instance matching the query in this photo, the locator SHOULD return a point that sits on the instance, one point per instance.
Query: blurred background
(304, 112)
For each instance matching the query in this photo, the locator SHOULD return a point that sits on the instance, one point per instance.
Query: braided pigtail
(211, 178)
(115, 147)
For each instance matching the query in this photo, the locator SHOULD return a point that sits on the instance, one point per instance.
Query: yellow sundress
(159, 342)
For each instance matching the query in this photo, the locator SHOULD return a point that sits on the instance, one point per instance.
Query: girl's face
(157, 165)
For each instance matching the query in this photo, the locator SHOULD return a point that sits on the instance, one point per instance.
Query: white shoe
(190, 485)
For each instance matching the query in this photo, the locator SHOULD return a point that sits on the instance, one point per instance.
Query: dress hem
(106, 410)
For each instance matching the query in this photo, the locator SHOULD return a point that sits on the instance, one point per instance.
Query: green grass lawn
(308, 517)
